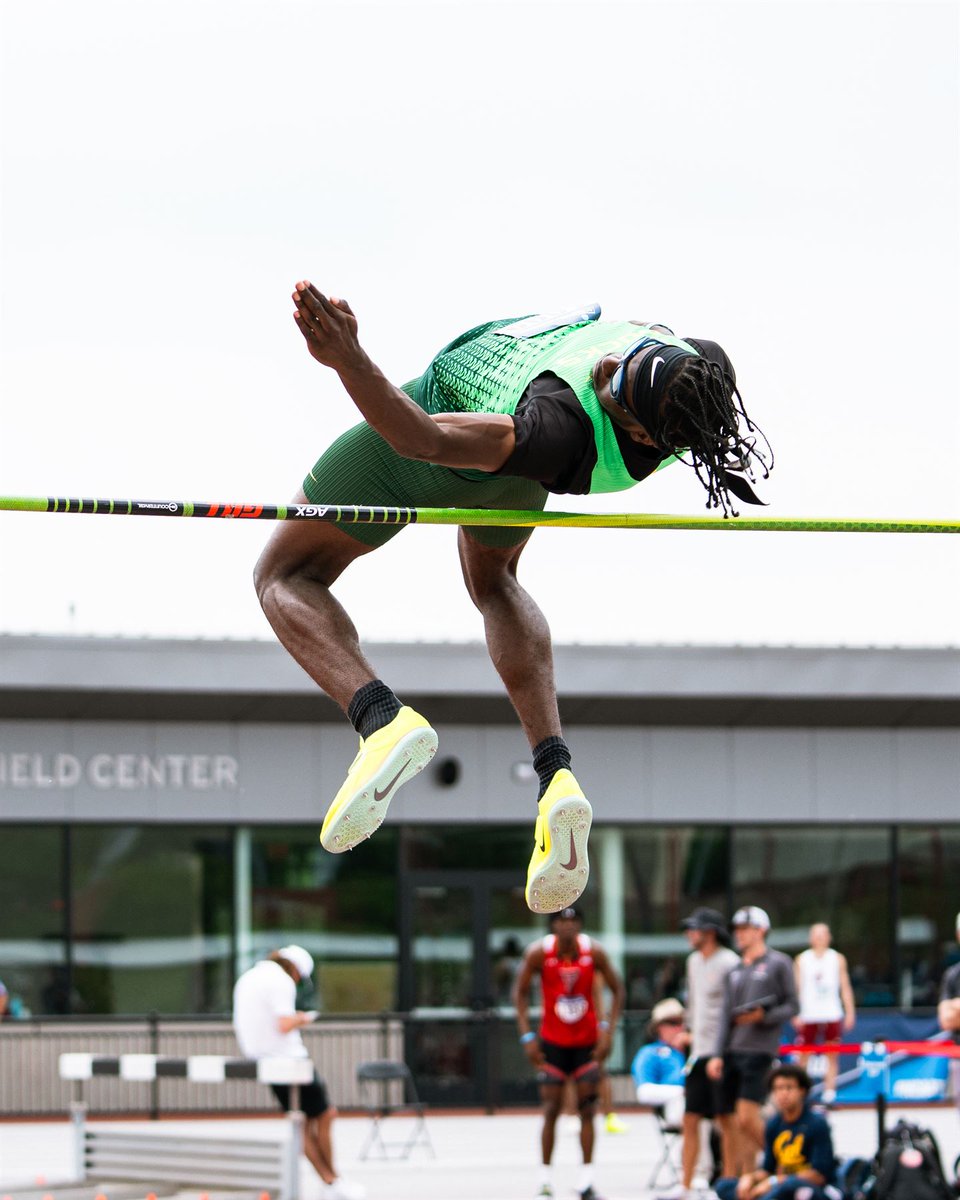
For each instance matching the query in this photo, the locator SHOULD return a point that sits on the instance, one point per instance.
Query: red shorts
(824, 1031)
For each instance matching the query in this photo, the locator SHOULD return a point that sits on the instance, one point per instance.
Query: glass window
(152, 919)
(929, 862)
(340, 907)
(512, 928)
(32, 950)
(837, 874)
(666, 874)
(467, 847)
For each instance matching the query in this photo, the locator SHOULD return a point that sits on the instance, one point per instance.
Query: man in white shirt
(710, 962)
(267, 1025)
(826, 1001)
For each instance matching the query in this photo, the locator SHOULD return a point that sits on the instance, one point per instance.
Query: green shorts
(360, 468)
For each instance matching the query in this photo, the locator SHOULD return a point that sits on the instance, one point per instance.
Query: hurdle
(183, 1160)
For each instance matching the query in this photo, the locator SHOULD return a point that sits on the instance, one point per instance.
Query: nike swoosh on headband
(653, 369)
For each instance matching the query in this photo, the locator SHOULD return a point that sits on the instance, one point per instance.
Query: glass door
(463, 935)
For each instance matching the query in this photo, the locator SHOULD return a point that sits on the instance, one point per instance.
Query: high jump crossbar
(358, 514)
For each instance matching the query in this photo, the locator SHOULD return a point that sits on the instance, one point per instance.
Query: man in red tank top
(575, 1034)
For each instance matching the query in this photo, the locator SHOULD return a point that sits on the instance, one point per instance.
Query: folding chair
(670, 1139)
(374, 1080)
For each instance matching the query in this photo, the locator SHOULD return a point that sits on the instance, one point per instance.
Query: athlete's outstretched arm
(482, 441)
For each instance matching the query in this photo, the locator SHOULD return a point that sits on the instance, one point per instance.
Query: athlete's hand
(714, 1069)
(328, 327)
(534, 1053)
(753, 1017)
(602, 1048)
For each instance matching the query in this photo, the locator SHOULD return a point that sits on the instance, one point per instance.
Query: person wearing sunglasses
(505, 414)
(659, 1067)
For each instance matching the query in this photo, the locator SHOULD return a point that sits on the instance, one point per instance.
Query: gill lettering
(235, 510)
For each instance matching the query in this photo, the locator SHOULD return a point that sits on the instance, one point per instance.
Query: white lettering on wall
(121, 772)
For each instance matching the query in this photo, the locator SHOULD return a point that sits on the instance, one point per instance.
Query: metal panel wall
(240, 773)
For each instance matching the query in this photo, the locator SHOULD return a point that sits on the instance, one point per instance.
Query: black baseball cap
(708, 918)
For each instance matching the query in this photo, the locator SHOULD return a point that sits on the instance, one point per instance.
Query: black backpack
(907, 1167)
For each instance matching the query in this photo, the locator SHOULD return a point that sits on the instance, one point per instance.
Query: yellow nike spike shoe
(388, 758)
(559, 866)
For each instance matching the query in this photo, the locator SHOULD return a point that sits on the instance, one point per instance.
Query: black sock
(373, 706)
(550, 756)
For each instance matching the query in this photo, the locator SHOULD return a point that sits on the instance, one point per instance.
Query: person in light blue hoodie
(658, 1067)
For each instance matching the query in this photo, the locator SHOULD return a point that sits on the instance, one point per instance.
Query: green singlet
(361, 468)
(486, 369)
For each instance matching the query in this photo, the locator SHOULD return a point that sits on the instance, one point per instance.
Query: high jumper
(505, 414)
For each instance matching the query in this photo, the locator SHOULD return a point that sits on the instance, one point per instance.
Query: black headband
(650, 382)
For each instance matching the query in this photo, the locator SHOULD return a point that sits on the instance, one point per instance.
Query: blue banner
(902, 1078)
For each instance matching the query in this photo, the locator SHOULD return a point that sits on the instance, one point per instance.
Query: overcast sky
(779, 176)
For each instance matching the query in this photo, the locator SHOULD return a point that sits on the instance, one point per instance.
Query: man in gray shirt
(760, 994)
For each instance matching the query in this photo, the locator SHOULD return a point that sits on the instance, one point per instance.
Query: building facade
(160, 803)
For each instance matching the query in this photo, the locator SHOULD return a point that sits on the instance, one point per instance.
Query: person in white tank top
(826, 1001)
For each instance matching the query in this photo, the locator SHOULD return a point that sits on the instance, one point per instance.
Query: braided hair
(701, 417)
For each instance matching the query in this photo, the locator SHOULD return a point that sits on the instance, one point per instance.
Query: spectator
(657, 1068)
(760, 994)
(710, 962)
(798, 1160)
(826, 1001)
(12, 1007)
(948, 1014)
(267, 1025)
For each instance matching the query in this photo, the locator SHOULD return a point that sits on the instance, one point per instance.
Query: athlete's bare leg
(587, 1103)
(293, 578)
(550, 1097)
(518, 637)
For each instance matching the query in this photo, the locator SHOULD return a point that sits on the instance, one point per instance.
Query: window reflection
(152, 919)
(157, 920)
(837, 874)
(666, 874)
(32, 911)
(463, 847)
(340, 907)
(929, 865)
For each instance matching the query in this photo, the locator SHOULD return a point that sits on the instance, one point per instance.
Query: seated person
(658, 1067)
(798, 1159)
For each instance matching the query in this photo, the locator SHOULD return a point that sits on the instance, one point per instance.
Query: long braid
(702, 410)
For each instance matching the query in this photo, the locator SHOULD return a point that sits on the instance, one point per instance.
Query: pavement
(477, 1157)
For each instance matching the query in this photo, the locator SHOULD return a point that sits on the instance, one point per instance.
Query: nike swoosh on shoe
(569, 866)
(381, 794)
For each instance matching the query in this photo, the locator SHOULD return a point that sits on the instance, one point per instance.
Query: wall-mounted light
(523, 772)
